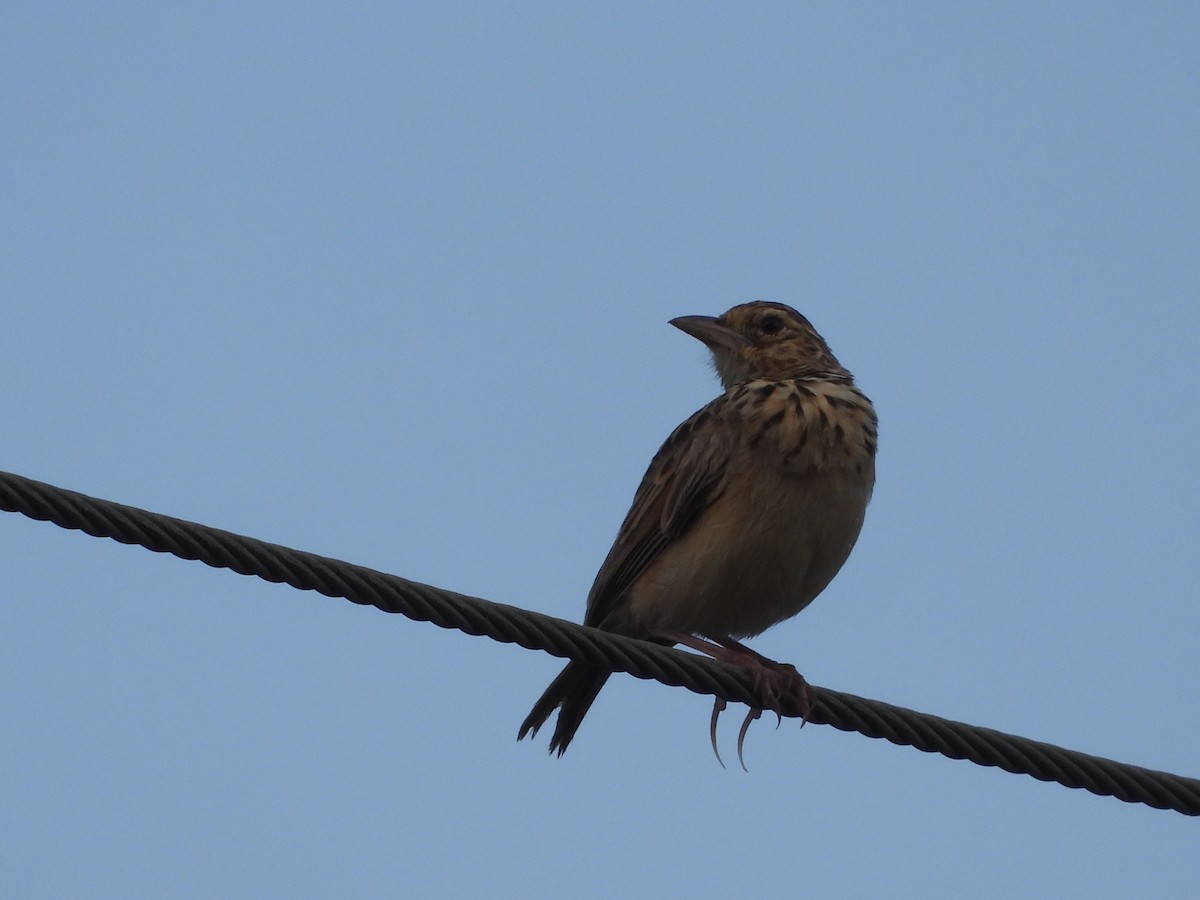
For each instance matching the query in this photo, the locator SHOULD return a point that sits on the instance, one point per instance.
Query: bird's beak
(710, 330)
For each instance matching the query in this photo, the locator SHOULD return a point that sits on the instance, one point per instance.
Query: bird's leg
(772, 682)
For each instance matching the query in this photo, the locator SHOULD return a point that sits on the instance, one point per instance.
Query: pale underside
(745, 515)
(757, 558)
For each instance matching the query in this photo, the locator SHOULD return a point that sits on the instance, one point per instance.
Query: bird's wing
(686, 476)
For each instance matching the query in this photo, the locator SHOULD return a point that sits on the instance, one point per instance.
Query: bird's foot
(775, 684)
(778, 686)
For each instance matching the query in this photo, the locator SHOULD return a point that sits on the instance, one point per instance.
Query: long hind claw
(718, 708)
(750, 717)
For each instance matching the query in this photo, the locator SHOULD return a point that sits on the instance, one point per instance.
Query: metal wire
(535, 631)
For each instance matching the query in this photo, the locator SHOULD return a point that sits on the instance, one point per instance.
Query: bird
(745, 514)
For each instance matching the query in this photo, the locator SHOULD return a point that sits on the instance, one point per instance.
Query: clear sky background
(391, 283)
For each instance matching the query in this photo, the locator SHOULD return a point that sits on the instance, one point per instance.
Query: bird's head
(761, 340)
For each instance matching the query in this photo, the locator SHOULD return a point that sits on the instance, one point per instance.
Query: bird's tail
(574, 690)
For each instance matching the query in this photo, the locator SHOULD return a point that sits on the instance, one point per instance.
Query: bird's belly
(757, 556)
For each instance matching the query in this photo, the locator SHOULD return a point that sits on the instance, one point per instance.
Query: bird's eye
(771, 325)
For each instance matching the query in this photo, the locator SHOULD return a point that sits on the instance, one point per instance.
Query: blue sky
(391, 283)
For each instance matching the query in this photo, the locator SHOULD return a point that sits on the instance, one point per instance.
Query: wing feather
(686, 476)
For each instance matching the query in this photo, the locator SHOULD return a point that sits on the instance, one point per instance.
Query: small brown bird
(746, 513)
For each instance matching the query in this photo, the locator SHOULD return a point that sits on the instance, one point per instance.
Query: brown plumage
(746, 513)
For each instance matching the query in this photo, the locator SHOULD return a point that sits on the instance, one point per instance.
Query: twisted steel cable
(536, 631)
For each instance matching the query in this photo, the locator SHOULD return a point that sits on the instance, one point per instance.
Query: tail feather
(574, 690)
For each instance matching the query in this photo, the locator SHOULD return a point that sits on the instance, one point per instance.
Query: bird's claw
(718, 708)
(750, 717)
